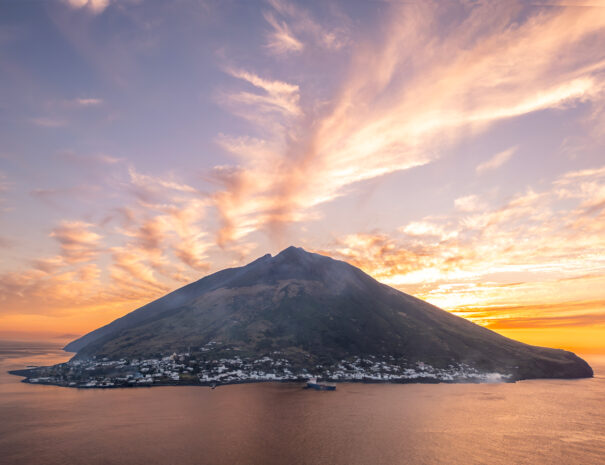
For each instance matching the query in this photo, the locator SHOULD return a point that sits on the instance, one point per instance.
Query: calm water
(531, 422)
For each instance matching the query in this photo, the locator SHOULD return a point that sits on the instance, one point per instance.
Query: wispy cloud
(51, 196)
(167, 218)
(496, 161)
(132, 276)
(159, 246)
(87, 102)
(281, 40)
(153, 189)
(386, 118)
(94, 6)
(275, 96)
(78, 242)
(88, 160)
(296, 23)
(47, 122)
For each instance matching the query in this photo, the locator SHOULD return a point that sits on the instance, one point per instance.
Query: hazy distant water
(531, 422)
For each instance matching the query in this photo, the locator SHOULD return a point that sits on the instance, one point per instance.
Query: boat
(313, 383)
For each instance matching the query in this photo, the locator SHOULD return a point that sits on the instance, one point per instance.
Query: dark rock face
(313, 309)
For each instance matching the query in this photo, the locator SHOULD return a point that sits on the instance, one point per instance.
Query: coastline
(205, 370)
(294, 381)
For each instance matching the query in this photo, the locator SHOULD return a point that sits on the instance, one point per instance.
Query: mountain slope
(315, 310)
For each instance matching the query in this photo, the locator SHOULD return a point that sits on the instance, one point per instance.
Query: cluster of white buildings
(385, 370)
(185, 368)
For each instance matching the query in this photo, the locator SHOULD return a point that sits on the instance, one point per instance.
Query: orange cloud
(132, 276)
(78, 243)
(37, 292)
(163, 232)
(139, 252)
(386, 118)
(539, 250)
(94, 6)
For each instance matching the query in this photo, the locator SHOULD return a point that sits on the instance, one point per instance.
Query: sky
(452, 149)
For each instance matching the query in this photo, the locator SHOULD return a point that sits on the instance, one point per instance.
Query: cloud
(281, 40)
(87, 102)
(132, 277)
(89, 273)
(78, 243)
(49, 265)
(192, 252)
(376, 253)
(141, 250)
(94, 6)
(562, 309)
(298, 22)
(90, 161)
(140, 269)
(545, 322)
(427, 228)
(156, 184)
(155, 192)
(51, 292)
(496, 161)
(588, 186)
(47, 122)
(51, 196)
(163, 231)
(277, 95)
(399, 109)
(469, 203)
(534, 250)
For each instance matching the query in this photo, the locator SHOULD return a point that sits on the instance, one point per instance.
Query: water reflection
(553, 421)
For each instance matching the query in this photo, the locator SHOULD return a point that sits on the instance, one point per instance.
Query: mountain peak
(293, 251)
(296, 258)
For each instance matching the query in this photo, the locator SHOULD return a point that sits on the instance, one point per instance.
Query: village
(199, 369)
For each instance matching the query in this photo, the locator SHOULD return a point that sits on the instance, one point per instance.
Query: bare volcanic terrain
(291, 316)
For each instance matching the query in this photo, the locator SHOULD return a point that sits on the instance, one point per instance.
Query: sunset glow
(453, 150)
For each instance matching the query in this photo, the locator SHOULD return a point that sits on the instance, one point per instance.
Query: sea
(529, 422)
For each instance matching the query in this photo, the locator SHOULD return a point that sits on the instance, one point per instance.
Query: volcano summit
(292, 316)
